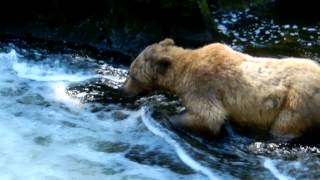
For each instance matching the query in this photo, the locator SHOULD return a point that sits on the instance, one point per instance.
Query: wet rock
(98, 90)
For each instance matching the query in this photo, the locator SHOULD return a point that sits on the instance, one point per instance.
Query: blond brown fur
(215, 82)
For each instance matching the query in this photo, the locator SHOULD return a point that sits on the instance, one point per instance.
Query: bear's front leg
(196, 124)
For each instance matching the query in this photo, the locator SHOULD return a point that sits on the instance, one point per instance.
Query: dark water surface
(61, 117)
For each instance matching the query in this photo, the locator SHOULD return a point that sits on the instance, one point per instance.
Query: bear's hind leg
(289, 124)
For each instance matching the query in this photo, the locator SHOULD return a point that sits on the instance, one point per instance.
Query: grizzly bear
(215, 83)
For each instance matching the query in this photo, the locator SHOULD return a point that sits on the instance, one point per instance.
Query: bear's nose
(124, 91)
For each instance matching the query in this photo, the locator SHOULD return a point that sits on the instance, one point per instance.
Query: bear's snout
(132, 88)
(126, 89)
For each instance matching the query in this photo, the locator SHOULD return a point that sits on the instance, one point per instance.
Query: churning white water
(46, 134)
(271, 165)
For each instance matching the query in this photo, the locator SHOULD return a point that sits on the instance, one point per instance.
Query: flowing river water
(61, 118)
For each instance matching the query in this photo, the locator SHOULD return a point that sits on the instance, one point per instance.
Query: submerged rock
(34, 99)
(111, 147)
(118, 115)
(141, 155)
(43, 140)
(18, 90)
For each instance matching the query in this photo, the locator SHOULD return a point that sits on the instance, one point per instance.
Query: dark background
(128, 26)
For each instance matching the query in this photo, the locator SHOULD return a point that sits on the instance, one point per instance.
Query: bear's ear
(161, 65)
(167, 42)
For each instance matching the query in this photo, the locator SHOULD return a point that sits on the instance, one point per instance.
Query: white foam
(111, 76)
(183, 155)
(46, 73)
(59, 94)
(257, 31)
(312, 29)
(6, 60)
(12, 61)
(223, 29)
(287, 26)
(115, 79)
(271, 166)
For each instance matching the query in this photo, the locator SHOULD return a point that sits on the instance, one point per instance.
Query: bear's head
(150, 66)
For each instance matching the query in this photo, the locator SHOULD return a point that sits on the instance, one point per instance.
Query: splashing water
(47, 134)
